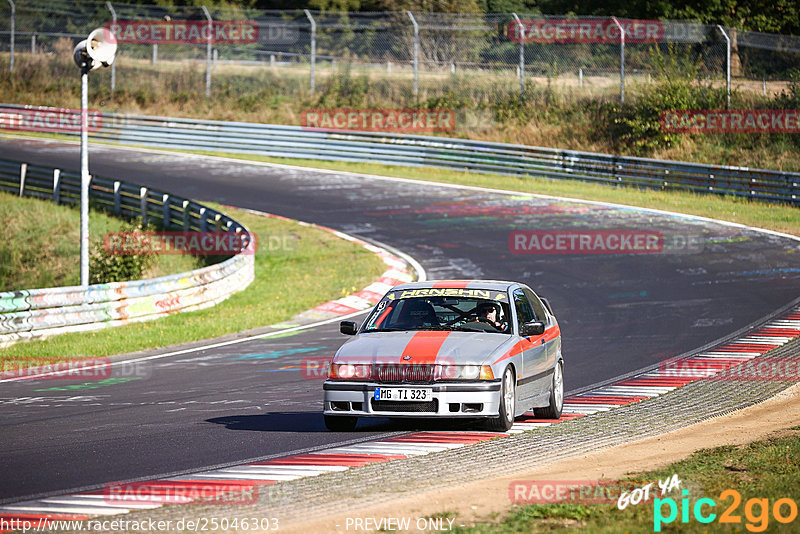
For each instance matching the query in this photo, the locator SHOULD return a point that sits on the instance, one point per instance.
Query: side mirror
(348, 327)
(535, 328)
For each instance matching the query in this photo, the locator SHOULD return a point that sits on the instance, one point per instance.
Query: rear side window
(538, 306)
(524, 310)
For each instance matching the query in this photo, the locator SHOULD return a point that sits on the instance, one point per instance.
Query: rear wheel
(340, 423)
(508, 395)
(553, 411)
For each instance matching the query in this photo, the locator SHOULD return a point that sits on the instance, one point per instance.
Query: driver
(489, 312)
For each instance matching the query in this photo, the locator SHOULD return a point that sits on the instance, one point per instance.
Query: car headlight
(349, 371)
(464, 372)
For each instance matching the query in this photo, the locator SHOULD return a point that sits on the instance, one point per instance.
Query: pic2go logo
(756, 511)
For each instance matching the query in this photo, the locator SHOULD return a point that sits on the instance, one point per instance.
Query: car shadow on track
(314, 422)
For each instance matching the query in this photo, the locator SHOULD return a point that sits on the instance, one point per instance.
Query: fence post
(33, 44)
(208, 50)
(621, 60)
(187, 215)
(313, 46)
(154, 59)
(416, 52)
(114, 64)
(23, 171)
(117, 197)
(56, 186)
(165, 211)
(143, 204)
(727, 63)
(13, 17)
(521, 33)
(203, 221)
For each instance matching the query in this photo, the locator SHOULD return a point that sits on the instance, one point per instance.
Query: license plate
(403, 394)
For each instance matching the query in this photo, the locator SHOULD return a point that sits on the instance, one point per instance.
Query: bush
(105, 267)
(636, 125)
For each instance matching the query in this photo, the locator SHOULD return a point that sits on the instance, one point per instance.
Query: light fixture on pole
(97, 50)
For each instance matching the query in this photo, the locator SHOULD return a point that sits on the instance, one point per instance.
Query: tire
(340, 423)
(508, 399)
(553, 411)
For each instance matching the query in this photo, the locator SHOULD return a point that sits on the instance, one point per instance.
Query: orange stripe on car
(549, 335)
(424, 346)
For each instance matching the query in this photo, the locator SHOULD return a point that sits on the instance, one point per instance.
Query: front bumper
(449, 399)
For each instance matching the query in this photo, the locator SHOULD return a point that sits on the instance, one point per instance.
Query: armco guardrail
(417, 150)
(33, 313)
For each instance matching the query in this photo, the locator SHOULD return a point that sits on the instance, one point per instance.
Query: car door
(552, 342)
(534, 353)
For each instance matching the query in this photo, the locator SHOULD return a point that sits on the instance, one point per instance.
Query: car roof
(492, 285)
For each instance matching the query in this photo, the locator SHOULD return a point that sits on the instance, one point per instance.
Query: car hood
(424, 347)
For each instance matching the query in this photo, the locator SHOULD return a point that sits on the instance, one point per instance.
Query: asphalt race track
(618, 313)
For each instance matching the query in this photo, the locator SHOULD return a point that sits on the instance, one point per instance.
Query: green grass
(41, 244)
(768, 469)
(310, 267)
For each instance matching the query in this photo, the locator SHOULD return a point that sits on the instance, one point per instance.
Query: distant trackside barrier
(35, 313)
(418, 150)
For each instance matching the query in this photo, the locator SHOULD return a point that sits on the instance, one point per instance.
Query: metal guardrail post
(56, 186)
(117, 197)
(154, 57)
(521, 53)
(23, 170)
(165, 211)
(313, 46)
(416, 52)
(113, 65)
(621, 60)
(208, 50)
(727, 63)
(13, 29)
(143, 205)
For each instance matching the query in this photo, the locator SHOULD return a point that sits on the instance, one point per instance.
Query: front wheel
(508, 397)
(340, 423)
(553, 410)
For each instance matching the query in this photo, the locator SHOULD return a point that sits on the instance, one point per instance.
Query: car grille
(403, 372)
(398, 406)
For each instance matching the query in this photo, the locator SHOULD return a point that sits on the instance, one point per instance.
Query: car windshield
(484, 311)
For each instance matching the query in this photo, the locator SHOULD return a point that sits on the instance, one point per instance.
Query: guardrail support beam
(165, 211)
(23, 171)
(143, 205)
(56, 186)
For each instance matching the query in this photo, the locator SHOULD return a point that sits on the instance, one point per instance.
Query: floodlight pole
(208, 50)
(13, 16)
(113, 65)
(85, 176)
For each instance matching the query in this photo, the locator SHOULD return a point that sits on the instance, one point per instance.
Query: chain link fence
(428, 54)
